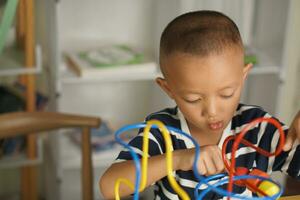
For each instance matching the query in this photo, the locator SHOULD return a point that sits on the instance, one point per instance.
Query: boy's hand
(293, 134)
(210, 161)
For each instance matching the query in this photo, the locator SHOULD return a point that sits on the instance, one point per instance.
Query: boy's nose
(211, 110)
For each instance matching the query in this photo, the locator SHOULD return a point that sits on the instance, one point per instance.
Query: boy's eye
(226, 96)
(192, 101)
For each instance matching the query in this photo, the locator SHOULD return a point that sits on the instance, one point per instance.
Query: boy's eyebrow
(228, 87)
(191, 92)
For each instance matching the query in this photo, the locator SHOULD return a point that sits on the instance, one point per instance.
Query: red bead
(257, 172)
(239, 171)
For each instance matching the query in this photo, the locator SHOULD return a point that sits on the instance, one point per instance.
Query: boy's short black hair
(199, 33)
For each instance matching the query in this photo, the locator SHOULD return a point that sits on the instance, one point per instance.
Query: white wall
(129, 22)
(289, 99)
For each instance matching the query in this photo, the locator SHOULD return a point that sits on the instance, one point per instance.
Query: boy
(202, 61)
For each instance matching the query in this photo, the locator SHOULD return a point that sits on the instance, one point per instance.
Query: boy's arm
(126, 169)
(288, 161)
(209, 163)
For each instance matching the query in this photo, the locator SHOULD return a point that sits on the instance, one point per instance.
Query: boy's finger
(290, 139)
(210, 167)
(219, 162)
(202, 168)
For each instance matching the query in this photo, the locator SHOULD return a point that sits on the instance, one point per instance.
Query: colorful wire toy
(165, 131)
(265, 183)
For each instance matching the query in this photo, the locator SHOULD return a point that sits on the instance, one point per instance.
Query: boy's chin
(216, 132)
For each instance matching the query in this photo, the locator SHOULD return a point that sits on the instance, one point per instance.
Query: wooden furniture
(25, 39)
(292, 186)
(26, 123)
(297, 197)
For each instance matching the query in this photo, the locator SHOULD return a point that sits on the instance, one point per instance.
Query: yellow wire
(169, 158)
(117, 186)
(169, 162)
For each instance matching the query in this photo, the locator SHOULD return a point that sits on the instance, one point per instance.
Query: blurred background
(100, 57)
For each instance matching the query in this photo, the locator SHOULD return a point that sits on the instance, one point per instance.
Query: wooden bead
(268, 187)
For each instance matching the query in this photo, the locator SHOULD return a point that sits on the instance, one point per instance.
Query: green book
(109, 60)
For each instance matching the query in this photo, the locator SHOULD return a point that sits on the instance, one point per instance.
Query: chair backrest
(23, 123)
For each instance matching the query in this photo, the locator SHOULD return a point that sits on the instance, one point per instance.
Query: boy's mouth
(216, 125)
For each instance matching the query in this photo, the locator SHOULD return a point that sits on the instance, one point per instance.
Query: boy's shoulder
(168, 116)
(246, 113)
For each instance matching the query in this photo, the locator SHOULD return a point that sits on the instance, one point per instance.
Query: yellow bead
(268, 187)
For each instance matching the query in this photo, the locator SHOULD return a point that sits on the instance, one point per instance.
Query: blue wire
(228, 194)
(200, 178)
(133, 154)
(206, 181)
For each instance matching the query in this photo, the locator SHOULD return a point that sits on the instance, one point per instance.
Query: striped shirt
(263, 135)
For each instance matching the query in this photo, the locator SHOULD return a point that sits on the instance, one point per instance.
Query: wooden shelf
(68, 77)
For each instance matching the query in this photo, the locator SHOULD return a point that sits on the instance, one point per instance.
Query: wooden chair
(25, 123)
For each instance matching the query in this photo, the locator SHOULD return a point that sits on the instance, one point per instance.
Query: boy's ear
(164, 85)
(246, 70)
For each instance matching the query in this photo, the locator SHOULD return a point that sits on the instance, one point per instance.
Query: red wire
(239, 139)
(227, 166)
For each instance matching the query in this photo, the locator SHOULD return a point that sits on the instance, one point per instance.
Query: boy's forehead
(231, 55)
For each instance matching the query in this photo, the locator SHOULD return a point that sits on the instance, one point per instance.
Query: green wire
(7, 19)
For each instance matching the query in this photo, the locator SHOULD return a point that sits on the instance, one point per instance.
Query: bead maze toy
(256, 180)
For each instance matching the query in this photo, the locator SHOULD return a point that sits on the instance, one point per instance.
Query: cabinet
(128, 99)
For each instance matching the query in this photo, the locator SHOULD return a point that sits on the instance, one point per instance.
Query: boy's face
(206, 89)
